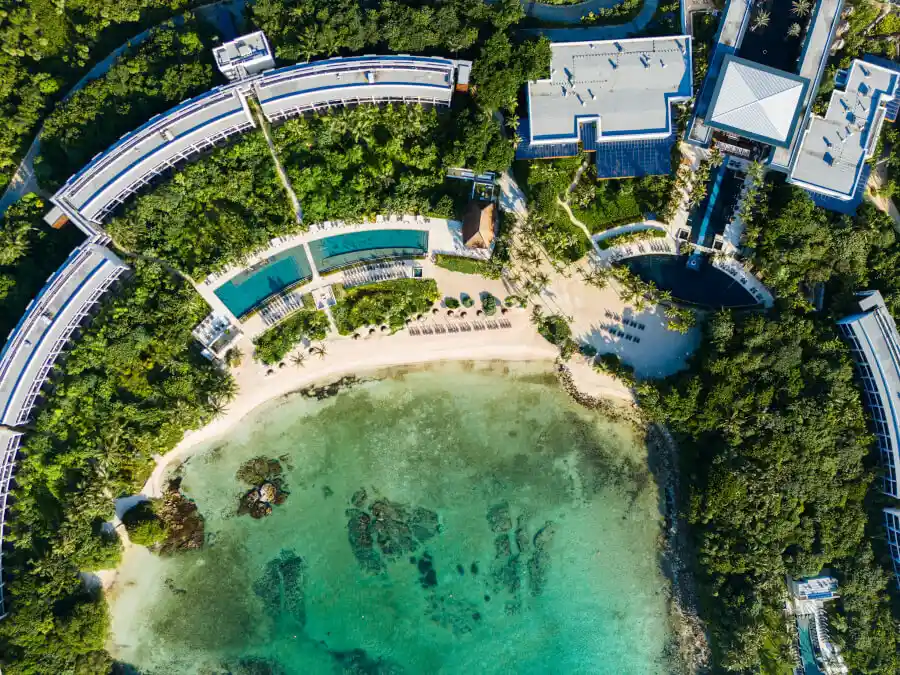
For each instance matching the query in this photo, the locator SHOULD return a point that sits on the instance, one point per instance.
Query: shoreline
(345, 357)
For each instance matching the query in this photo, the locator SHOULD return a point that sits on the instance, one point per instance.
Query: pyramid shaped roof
(756, 101)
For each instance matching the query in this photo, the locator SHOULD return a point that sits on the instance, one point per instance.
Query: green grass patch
(387, 302)
(611, 209)
(275, 343)
(484, 268)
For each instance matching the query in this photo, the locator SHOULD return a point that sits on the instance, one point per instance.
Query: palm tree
(761, 20)
(794, 30)
(299, 359)
(801, 7)
(319, 350)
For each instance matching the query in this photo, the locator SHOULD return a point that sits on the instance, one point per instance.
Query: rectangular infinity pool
(342, 250)
(249, 288)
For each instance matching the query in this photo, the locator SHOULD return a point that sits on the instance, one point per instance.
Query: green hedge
(275, 343)
(484, 268)
(144, 526)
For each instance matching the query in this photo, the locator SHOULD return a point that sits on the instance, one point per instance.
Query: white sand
(345, 356)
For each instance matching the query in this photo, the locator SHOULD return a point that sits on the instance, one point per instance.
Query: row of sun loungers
(464, 327)
(615, 331)
(279, 307)
(357, 276)
(628, 322)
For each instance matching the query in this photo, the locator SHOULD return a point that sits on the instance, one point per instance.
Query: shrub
(466, 300)
(463, 265)
(489, 304)
(587, 349)
(144, 525)
(631, 237)
(451, 302)
(275, 343)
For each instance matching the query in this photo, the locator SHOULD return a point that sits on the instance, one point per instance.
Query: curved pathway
(571, 14)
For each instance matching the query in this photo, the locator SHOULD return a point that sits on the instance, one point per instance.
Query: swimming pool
(342, 250)
(248, 289)
(707, 286)
(807, 651)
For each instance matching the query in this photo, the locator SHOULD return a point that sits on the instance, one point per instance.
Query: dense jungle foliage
(388, 303)
(173, 64)
(777, 457)
(129, 389)
(29, 253)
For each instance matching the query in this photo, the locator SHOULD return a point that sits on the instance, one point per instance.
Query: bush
(467, 300)
(555, 329)
(144, 526)
(587, 349)
(387, 302)
(275, 343)
(463, 265)
(489, 304)
(451, 302)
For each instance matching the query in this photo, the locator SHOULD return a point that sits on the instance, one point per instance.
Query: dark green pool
(342, 250)
(707, 286)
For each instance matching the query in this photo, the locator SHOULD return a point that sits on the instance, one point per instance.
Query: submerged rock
(282, 586)
(539, 564)
(499, 519)
(424, 524)
(359, 498)
(359, 533)
(427, 573)
(358, 662)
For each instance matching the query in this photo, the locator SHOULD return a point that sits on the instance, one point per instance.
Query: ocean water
(546, 559)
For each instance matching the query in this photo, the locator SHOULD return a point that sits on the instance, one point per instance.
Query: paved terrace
(626, 86)
(51, 318)
(824, 22)
(834, 149)
(444, 236)
(9, 447)
(291, 91)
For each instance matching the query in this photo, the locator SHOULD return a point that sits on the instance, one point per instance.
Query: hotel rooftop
(875, 349)
(625, 86)
(756, 101)
(834, 149)
(51, 318)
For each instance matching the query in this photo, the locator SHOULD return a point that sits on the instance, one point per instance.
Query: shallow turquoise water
(458, 443)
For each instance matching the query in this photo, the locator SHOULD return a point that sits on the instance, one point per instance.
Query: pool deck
(444, 236)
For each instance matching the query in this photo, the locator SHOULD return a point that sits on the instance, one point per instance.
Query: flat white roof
(626, 86)
(244, 49)
(834, 148)
(49, 321)
(756, 101)
(166, 140)
(309, 86)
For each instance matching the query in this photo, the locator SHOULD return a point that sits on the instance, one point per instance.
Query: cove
(522, 536)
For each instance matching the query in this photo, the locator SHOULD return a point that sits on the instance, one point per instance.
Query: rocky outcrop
(184, 524)
(498, 517)
(265, 474)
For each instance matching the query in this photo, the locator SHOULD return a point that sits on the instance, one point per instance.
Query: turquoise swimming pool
(248, 289)
(342, 250)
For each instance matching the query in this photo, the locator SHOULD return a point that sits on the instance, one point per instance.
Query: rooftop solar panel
(635, 158)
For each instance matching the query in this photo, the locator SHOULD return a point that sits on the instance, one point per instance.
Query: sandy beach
(345, 357)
